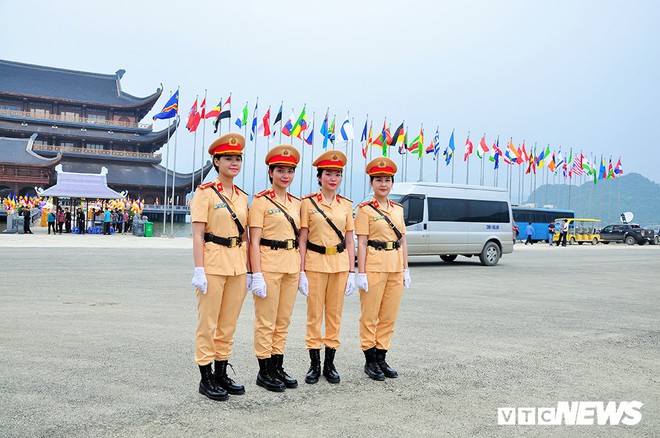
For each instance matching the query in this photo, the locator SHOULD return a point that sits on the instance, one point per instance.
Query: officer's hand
(361, 282)
(258, 285)
(248, 279)
(303, 284)
(350, 284)
(199, 280)
(406, 278)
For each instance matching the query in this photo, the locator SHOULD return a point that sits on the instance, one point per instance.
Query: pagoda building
(87, 122)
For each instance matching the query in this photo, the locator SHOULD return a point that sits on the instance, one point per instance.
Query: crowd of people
(111, 220)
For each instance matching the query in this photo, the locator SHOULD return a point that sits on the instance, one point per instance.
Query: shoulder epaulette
(396, 203)
(205, 185)
(241, 190)
(260, 194)
(364, 204)
(309, 196)
(294, 197)
(344, 197)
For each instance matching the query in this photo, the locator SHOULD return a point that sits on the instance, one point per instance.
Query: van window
(413, 208)
(467, 210)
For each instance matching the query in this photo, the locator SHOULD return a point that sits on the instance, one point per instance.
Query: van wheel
(594, 241)
(606, 243)
(490, 254)
(571, 241)
(630, 240)
(448, 258)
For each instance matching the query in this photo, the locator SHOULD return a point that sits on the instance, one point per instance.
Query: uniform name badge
(221, 205)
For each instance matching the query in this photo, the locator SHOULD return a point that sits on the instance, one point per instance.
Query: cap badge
(381, 163)
(334, 157)
(286, 152)
(233, 141)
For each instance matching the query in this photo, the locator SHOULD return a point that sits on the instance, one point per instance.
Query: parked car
(628, 233)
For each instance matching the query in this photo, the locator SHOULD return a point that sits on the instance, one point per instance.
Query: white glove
(248, 280)
(258, 285)
(362, 282)
(406, 278)
(350, 284)
(199, 280)
(303, 284)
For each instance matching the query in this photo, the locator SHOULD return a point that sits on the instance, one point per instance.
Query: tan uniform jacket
(207, 207)
(275, 226)
(340, 212)
(370, 223)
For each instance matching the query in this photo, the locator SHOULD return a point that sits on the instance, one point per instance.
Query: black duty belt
(279, 244)
(386, 246)
(328, 250)
(229, 242)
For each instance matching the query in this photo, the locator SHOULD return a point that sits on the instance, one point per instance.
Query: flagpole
(467, 173)
(421, 156)
(310, 180)
(481, 175)
(194, 152)
(281, 121)
(167, 164)
(352, 153)
(366, 141)
(254, 161)
(453, 160)
(174, 180)
(201, 170)
(405, 161)
(435, 155)
(245, 137)
(371, 157)
(302, 151)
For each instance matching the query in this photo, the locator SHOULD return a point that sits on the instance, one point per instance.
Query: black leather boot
(282, 376)
(223, 380)
(266, 378)
(314, 371)
(384, 367)
(371, 367)
(329, 370)
(207, 385)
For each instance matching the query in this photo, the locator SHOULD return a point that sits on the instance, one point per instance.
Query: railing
(107, 152)
(75, 119)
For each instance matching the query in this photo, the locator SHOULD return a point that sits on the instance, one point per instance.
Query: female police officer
(274, 221)
(219, 215)
(382, 267)
(327, 266)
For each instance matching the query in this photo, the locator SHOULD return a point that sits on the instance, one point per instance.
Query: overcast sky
(580, 74)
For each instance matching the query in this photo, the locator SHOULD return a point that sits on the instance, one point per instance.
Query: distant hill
(607, 199)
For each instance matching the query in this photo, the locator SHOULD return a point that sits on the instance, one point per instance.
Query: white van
(451, 220)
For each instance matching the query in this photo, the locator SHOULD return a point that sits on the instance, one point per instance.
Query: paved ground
(96, 339)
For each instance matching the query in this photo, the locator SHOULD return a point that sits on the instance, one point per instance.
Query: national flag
(171, 108)
(288, 126)
(509, 157)
(331, 131)
(523, 153)
(397, 136)
(301, 123)
(403, 148)
(417, 146)
(577, 164)
(346, 130)
(436, 143)
(552, 165)
(497, 153)
(469, 147)
(513, 154)
(430, 148)
(531, 167)
(618, 169)
(540, 159)
(365, 139)
(264, 125)
(278, 117)
(587, 166)
(310, 137)
(225, 113)
(191, 117)
(253, 129)
(449, 150)
(324, 131)
(242, 121)
(483, 148)
(602, 171)
(610, 171)
(202, 109)
(215, 111)
(370, 135)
